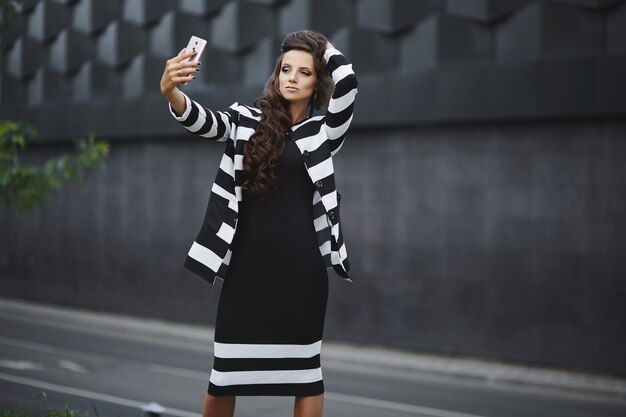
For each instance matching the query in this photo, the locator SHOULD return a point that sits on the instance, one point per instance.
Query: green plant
(43, 410)
(22, 187)
(7, 12)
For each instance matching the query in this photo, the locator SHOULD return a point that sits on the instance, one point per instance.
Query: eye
(307, 73)
(285, 69)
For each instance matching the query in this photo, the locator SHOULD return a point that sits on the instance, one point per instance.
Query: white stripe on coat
(341, 103)
(336, 132)
(232, 200)
(205, 256)
(200, 121)
(185, 114)
(226, 233)
(321, 170)
(321, 222)
(342, 72)
(226, 165)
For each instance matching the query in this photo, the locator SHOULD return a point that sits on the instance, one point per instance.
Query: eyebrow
(289, 65)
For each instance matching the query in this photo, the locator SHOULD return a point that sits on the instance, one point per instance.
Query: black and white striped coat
(318, 139)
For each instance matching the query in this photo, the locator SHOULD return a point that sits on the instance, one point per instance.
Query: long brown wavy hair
(266, 145)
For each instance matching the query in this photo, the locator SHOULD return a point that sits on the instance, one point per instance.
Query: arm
(341, 105)
(194, 117)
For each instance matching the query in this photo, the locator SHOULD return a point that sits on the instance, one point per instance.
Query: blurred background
(483, 180)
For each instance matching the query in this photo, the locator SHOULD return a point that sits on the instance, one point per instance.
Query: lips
(291, 88)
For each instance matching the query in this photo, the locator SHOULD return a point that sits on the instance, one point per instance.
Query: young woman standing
(272, 224)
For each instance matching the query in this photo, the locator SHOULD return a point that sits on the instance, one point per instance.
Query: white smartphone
(195, 44)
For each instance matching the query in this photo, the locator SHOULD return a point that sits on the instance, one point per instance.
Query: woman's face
(297, 77)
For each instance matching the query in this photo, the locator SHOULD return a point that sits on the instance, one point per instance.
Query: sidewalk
(199, 337)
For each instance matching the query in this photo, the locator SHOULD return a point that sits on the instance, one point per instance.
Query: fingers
(183, 75)
(179, 70)
(182, 55)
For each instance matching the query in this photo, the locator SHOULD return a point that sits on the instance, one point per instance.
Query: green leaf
(23, 187)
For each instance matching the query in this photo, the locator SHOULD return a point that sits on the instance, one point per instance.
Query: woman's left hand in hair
(329, 45)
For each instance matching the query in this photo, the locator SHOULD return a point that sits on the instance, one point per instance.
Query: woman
(272, 223)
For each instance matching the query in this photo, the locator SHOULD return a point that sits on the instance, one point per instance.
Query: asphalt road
(116, 372)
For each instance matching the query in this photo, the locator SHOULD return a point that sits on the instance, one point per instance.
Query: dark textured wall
(76, 66)
(498, 240)
(484, 185)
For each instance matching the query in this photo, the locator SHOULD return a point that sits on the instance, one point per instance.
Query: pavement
(190, 335)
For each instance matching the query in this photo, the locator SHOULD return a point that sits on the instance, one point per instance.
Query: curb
(201, 338)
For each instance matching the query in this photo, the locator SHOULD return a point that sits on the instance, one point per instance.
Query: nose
(292, 77)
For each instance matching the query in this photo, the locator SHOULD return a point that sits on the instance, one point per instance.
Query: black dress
(272, 306)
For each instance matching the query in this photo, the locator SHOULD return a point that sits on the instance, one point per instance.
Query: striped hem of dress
(266, 369)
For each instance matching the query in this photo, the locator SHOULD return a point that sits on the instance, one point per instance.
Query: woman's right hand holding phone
(178, 70)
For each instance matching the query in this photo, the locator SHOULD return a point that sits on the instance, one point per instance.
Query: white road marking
(72, 366)
(21, 365)
(330, 396)
(53, 350)
(181, 372)
(90, 394)
(394, 406)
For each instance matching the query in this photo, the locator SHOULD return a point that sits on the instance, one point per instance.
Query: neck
(297, 111)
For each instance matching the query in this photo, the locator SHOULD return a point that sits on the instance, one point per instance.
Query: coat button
(331, 214)
(305, 153)
(319, 184)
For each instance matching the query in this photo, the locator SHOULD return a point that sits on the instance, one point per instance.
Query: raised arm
(341, 105)
(194, 117)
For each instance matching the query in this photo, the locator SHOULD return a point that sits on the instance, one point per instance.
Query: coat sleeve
(341, 105)
(215, 125)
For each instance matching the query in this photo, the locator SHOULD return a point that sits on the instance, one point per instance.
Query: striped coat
(318, 139)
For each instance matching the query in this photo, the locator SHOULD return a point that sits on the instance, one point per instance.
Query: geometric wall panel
(201, 8)
(66, 2)
(46, 85)
(90, 16)
(94, 80)
(141, 76)
(324, 16)
(26, 6)
(119, 43)
(593, 4)
(359, 45)
(616, 30)
(484, 10)
(443, 39)
(172, 32)
(69, 50)
(611, 84)
(474, 48)
(13, 93)
(268, 2)
(567, 85)
(47, 20)
(544, 30)
(392, 16)
(259, 63)
(23, 58)
(15, 29)
(145, 12)
(239, 25)
(230, 69)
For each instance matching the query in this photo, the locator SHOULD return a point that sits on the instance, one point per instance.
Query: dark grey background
(484, 180)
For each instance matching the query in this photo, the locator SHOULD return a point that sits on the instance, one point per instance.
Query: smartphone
(195, 44)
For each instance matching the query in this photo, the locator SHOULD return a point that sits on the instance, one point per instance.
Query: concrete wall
(498, 240)
(483, 180)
